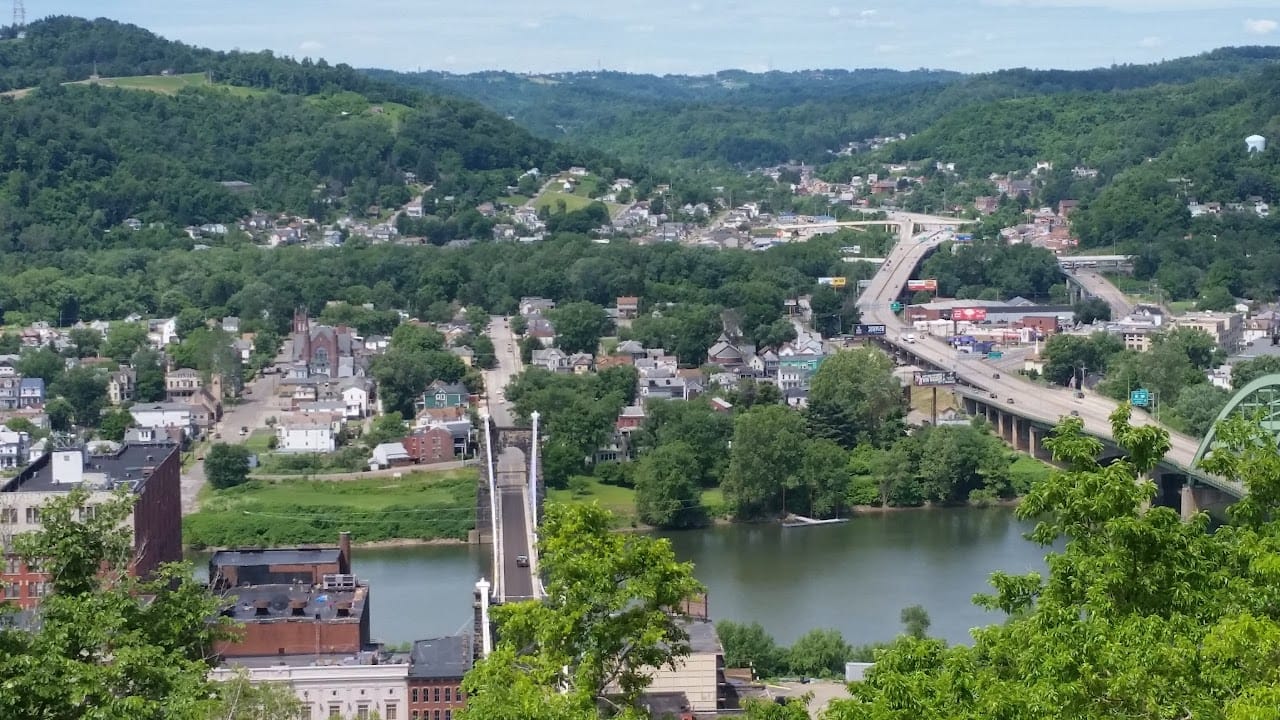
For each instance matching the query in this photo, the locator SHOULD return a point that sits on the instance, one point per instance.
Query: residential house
(182, 383)
(14, 448)
(581, 363)
(231, 325)
(464, 353)
(628, 307)
(161, 333)
(440, 394)
(436, 669)
(355, 398)
(121, 385)
(725, 354)
(630, 347)
(303, 433)
(630, 418)
(541, 328)
(536, 306)
(550, 359)
(31, 393)
(166, 415)
(765, 363)
(432, 444)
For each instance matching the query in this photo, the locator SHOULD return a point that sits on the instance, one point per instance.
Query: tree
(85, 341)
(768, 443)
(124, 339)
(957, 461)
(108, 645)
(668, 494)
(579, 326)
(148, 376)
(1197, 407)
(387, 428)
(915, 621)
(226, 465)
(60, 414)
(1090, 310)
(824, 474)
(43, 363)
(749, 645)
(606, 618)
(854, 398)
(820, 653)
(241, 699)
(518, 325)
(1246, 371)
(86, 391)
(114, 425)
(695, 423)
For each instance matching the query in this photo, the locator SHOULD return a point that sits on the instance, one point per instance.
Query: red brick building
(435, 677)
(151, 473)
(430, 445)
(292, 601)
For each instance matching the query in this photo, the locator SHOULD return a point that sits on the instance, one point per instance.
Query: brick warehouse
(292, 601)
(149, 470)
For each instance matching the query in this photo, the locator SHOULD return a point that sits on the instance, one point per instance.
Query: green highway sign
(895, 306)
(1140, 398)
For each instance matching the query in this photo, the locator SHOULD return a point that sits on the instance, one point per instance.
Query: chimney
(261, 608)
(344, 553)
(298, 608)
(344, 609)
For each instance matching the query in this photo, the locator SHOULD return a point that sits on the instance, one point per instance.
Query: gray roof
(314, 604)
(132, 463)
(447, 657)
(282, 556)
(703, 637)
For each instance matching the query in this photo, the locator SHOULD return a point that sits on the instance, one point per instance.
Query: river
(854, 577)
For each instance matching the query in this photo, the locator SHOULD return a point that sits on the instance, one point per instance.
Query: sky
(701, 36)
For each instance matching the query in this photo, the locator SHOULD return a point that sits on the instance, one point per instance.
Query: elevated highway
(1021, 410)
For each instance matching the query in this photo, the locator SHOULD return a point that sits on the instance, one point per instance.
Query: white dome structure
(1256, 143)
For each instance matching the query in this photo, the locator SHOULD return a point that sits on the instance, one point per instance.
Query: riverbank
(394, 543)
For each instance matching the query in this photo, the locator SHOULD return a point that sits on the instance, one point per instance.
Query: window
(88, 511)
(335, 711)
(9, 516)
(33, 515)
(391, 711)
(457, 692)
(12, 565)
(436, 695)
(448, 694)
(436, 715)
(448, 715)
(11, 590)
(362, 711)
(416, 715)
(415, 695)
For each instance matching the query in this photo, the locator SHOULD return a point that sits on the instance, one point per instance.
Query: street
(507, 351)
(1099, 287)
(258, 402)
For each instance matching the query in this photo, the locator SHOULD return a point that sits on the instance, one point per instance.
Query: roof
(703, 637)
(281, 556)
(132, 463)
(291, 603)
(447, 657)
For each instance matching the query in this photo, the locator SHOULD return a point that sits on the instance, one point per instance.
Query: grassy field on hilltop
(418, 505)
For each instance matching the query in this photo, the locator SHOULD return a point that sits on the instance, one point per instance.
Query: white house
(14, 448)
(305, 434)
(160, 333)
(386, 455)
(338, 689)
(163, 415)
(356, 399)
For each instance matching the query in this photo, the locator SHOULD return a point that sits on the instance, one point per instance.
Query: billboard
(929, 285)
(862, 330)
(922, 378)
(835, 282)
(851, 250)
(969, 314)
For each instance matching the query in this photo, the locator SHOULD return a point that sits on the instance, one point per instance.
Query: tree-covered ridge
(742, 118)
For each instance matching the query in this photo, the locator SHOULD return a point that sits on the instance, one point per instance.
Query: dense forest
(76, 160)
(751, 119)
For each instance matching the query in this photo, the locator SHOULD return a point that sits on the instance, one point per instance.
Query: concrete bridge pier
(1198, 497)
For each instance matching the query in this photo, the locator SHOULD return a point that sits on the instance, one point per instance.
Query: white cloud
(961, 52)
(887, 49)
(869, 13)
(1260, 27)
(309, 45)
(1150, 41)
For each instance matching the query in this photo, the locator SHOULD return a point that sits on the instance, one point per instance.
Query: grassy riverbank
(416, 506)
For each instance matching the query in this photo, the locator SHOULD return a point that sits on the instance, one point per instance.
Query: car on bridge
(522, 560)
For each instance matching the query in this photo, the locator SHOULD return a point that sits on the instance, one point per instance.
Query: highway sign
(860, 330)
(895, 306)
(1140, 398)
(921, 378)
(995, 355)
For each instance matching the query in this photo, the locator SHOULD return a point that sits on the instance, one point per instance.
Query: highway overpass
(1017, 407)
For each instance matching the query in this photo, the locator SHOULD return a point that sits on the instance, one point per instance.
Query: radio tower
(19, 16)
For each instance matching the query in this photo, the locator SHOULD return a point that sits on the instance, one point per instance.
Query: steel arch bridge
(1260, 398)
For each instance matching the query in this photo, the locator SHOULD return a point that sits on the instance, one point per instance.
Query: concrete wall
(695, 676)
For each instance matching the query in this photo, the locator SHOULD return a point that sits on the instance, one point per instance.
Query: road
(1033, 401)
(512, 477)
(259, 402)
(495, 381)
(1098, 286)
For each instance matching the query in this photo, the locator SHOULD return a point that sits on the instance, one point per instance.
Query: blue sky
(699, 36)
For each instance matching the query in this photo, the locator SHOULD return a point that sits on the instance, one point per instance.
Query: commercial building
(150, 472)
(436, 667)
(359, 686)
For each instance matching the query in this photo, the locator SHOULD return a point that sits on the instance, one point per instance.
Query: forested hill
(313, 139)
(742, 118)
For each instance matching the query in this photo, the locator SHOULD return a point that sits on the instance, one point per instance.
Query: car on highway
(995, 375)
(994, 396)
(1075, 413)
(1079, 394)
(1010, 401)
(522, 560)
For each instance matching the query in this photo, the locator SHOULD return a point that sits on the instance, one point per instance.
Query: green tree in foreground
(606, 618)
(1142, 615)
(227, 465)
(108, 646)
